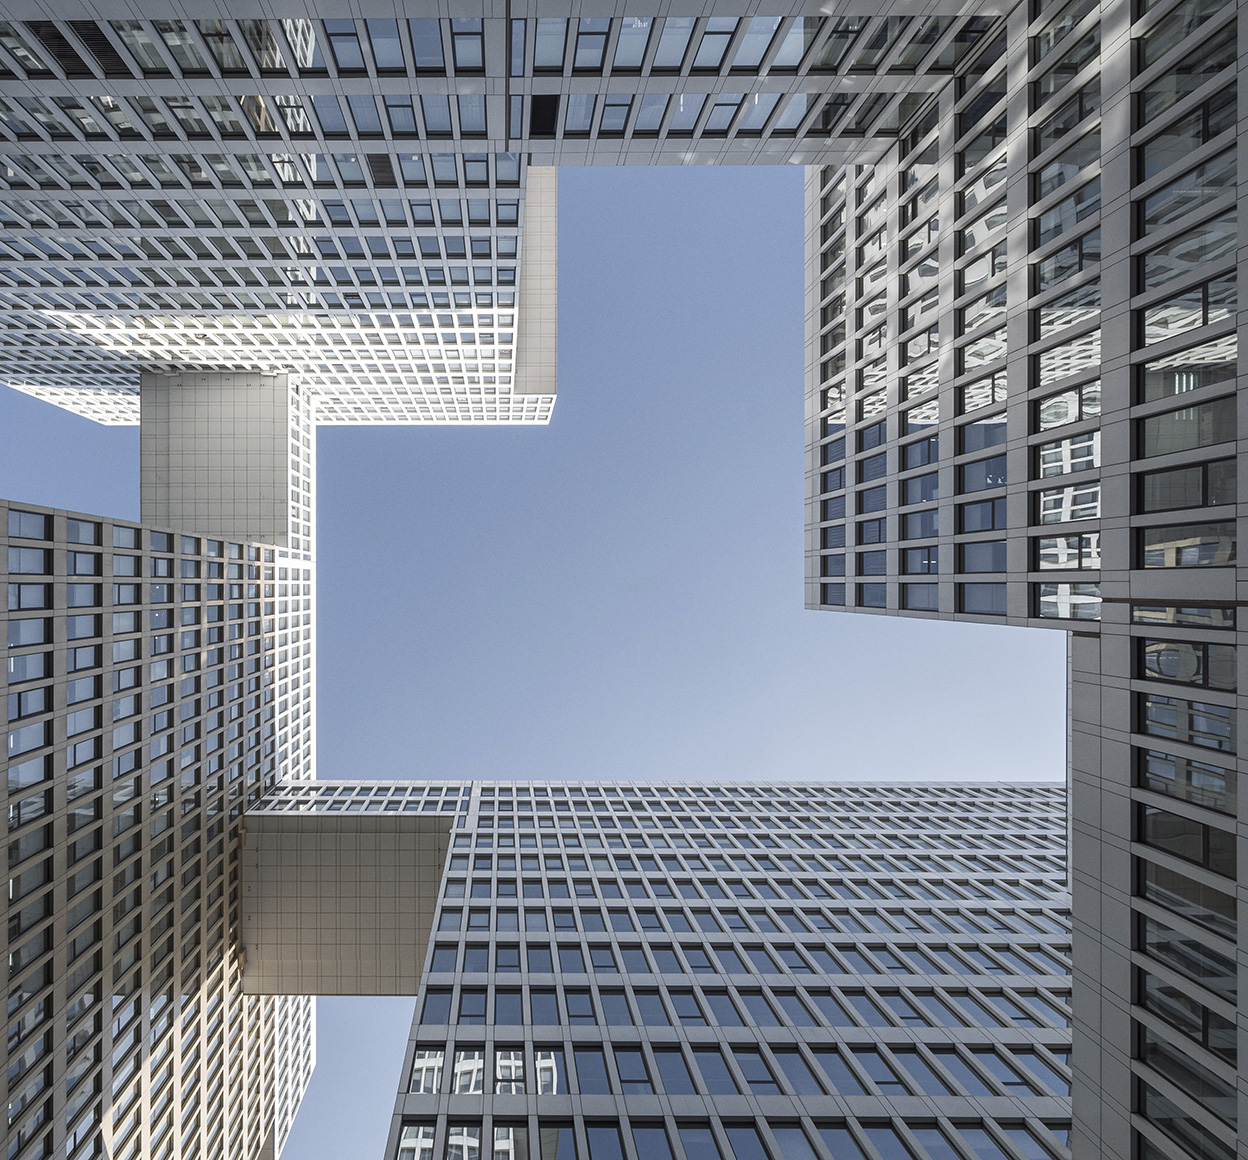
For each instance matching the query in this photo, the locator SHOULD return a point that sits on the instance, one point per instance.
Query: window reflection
(427, 1073)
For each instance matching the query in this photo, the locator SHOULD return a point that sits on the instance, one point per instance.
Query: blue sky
(618, 595)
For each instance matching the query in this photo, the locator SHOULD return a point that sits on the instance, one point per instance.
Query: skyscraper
(1022, 409)
(143, 677)
(238, 227)
(784, 971)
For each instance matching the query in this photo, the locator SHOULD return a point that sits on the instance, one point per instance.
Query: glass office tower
(750, 972)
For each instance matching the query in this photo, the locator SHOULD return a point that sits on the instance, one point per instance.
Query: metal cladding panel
(338, 905)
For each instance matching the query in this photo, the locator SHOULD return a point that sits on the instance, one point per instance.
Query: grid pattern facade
(346, 197)
(747, 971)
(1022, 409)
(155, 685)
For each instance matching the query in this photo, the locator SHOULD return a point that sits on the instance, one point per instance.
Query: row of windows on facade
(653, 816)
(1182, 545)
(1159, 827)
(610, 822)
(1210, 301)
(1161, 661)
(844, 1011)
(1065, 601)
(1164, 546)
(103, 218)
(601, 1139)
(867, 1070)
(860, 920)
(39, 526)
(189, 347)
(391, 47)
(319, 118)
(720, 863)
(820, 798)
(352, 248)
(1208, 364)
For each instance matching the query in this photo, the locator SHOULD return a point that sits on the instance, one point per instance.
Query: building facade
(750, 972)
(1028, 416)
(154, 688)
(354, 199)
(1023, 409)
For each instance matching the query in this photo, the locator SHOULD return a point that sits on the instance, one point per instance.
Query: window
(982, 474)
(1192, 722)
(28, 526)
(1188, 1016)
(591, 1071)
(1066, 553)
(344, 44)
(919, 561)
(437, 1007)
(630, 45)
(1207, 364)
(921, 525)
(1178, 140)
(920, 488)
(1069, 601)
(1188, 428)
(1188, 545)
(1185, 838)
(426, 35)
(984, 599)
(467, 44)
(543, 1009)
(872, 499)
(549, 45)
(716, 1077)
(1190, 957)
(985, 556)
(920, 597)
(1060, 264)
(1193, 307)
(1204, 246)
(1188, 662)
(1186, 779)
(921, 453)
(983, 433)
(580, 1008)
(631, 1065)
(1197, 485)
(507, 1008)
(1066, 504)
(872, 563)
